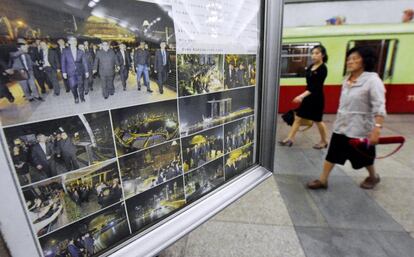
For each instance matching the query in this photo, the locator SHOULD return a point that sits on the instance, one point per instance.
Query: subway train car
(394, 44)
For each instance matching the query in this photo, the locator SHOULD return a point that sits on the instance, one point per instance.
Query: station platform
(282, 218)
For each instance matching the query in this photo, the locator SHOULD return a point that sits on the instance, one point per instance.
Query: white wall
(356, 12)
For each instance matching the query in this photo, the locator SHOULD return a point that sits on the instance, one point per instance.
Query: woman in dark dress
(312, 100)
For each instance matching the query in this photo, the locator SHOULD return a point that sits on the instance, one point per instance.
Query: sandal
(320, 146)
(287, 142)
(370, 183)
(317, 184)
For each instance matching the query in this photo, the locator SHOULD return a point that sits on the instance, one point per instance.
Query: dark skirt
(311, 108)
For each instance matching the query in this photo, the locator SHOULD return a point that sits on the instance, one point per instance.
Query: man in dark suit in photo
(124, 60)
(162, 65)
(23, 63)
(241, 76)
(51, 66)
(5, 71)
(90, 58)
(42, 156)
(59, 51)
(68, 151)
(107, 63)
(36, 56)
(75, 68)
(230, 76)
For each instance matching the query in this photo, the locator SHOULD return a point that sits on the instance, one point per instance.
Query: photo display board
(117, 114)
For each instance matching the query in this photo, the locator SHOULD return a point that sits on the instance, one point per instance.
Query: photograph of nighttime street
(202, 147)
(151, 167)
(59, 201)
(69, 57)
(46, 149)
(88, 237)
(149, 207)
(237, 161)
(238, 133)
(142, 126)
(239, 70)
(204, 179)
(205, 111)
(198, 74)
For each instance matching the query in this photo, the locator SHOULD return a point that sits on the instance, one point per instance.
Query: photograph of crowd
(204, 111)
(198, 74)
(238, 161)
(201, 148)
(139, 127)
(239, 70)
(238, 133)
(151, 167)
(54, 203)
(88, 237)
(59, 59)
(46, 149)
(203, 180)
(149, 207)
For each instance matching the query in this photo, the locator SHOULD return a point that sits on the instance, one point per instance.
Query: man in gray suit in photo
(51, 66)
(124, 60)
(162, 66)
(107, 63)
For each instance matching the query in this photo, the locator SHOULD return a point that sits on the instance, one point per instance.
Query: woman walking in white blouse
(360, 115)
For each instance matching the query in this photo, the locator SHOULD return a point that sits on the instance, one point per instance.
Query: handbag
(18, 75)
(289, 118)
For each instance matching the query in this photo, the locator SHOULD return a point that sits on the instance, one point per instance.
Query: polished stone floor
(289, 220)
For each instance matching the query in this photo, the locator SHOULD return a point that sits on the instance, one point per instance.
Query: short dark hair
(323, 52)
(368, 55)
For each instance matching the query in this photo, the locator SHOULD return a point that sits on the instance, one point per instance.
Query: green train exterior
(395, 43)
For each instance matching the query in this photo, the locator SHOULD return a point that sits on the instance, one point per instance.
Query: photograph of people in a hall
(205, 111)
(201, 148)
(46, 149)
(199, 74)
(142, 126)
(238, 161)
(88, 237)
(148, 168)
(62, 59)
(238, 133)
(59, 201)
(239, 70)
(149, 207)
(204, 179)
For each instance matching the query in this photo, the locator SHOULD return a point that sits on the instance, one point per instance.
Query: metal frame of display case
(15, 225)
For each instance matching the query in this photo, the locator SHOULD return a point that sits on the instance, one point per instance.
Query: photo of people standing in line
(139, 127)
(60, 201)
(199, 74)
(146, 169)
(239, 70)
(201, 148)
(46, 149)
(62, 59)
(238, 133)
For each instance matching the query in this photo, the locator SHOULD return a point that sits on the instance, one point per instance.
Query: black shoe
(31, 100)
(149, 91)
(105, 97)
(76, 101)
(40, 99)
(124, 88)
(67, 90)
(139, 88)
(86, 93)
(11, 99)
(161, 92)
(57, 94)
(43, 91)
(112, 93)
(82, 99)
(91, 89)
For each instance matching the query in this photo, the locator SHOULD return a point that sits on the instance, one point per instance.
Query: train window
(385, 50)
(295, 58)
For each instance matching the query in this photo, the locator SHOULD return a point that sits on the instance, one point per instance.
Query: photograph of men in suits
(162, 65)
(124, 60)
(59, 51)
(68, 151)
(106, 63)
(34, 52)
(141, 63)
(51, 66)
(230, 79)
(75, 68)
(42, 156)
(23, 63)
(90, 58)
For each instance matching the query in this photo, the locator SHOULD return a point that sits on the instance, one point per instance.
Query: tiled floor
(281, 217)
